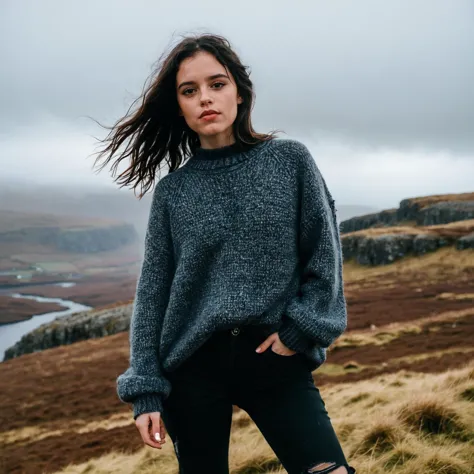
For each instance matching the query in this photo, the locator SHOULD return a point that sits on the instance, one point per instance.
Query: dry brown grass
(441, 266)
(401, 423)
(454, 296)
(452, 230)
(60, 406)
(386, 334)
(423, 201)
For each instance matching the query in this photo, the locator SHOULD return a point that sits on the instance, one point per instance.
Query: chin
(211, 130)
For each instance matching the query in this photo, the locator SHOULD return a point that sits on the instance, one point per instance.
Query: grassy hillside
(403, 423)
(399, 386)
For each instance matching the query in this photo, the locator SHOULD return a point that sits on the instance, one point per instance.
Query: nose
(205, 97)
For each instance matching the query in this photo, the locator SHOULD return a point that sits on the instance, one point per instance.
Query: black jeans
(277, 392)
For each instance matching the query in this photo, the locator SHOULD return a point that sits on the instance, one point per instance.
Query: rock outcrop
(386, 248)
(445, 212)
(73, 328)
(417, 226)
(384, 218)
(466, 242)
(423, 211)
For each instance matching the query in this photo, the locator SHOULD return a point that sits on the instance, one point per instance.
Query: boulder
(466, 242)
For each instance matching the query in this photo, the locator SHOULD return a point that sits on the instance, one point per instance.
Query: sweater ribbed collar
(222, 157)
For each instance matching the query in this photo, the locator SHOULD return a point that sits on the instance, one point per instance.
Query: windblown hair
(156, 133)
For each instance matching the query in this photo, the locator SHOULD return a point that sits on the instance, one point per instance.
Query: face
(202, 83)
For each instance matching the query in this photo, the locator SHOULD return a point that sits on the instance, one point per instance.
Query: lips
(208, 112)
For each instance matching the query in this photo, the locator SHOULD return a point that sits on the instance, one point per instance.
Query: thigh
(292, 417)
(197, 415)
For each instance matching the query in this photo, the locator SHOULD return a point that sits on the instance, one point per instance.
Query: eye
(190, 90)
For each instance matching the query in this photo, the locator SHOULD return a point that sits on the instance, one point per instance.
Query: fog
(380, 92)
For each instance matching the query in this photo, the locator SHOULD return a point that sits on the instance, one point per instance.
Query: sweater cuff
(293, 337)
(147, 403)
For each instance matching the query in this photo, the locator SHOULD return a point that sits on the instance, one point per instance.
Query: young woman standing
(241, 287)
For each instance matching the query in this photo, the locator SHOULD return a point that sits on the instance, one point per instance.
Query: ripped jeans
(276, 391)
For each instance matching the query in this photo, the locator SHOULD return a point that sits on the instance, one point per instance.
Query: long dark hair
(157, 133)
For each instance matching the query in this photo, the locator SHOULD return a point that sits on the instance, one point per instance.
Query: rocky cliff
(73, 328)
(386, 248)
(421, 211)
(417, 226)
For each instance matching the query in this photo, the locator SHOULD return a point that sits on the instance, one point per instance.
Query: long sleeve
(317, 314)
(143, 383)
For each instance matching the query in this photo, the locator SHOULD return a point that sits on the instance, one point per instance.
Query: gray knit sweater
(235, 236)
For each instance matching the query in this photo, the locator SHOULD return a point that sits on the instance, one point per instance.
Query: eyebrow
(210, 78)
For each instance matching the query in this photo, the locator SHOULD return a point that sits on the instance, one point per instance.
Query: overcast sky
(380, 91)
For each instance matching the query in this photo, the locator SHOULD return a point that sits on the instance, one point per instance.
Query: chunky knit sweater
(235, 236)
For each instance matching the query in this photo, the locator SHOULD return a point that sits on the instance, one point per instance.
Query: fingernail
(157, 437)
(258, 349)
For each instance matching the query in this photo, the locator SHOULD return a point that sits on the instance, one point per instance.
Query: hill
(399, 385)
(418, 226)
(423, 210)
(37, 250)
(61, 233)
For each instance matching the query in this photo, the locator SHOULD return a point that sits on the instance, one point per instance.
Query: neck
(222, 157)
(219, 140)
(218, 152)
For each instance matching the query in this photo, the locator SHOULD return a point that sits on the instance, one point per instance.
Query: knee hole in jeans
(326, 468)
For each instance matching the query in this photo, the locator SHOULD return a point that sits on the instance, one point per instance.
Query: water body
(10, 334)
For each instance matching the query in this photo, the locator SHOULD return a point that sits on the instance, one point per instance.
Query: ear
(239, 99)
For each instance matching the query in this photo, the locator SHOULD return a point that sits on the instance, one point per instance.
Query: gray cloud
(395, 74)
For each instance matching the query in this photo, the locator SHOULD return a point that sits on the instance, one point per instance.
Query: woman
(240, 290)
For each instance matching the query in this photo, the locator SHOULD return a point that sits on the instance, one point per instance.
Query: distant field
(92, 290)
(15, 256)
(57, 267)
(101, 278)
(13, 310)
(22, 254)
(12, 221)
